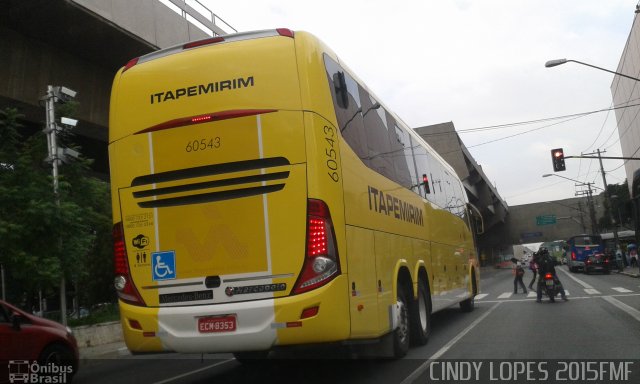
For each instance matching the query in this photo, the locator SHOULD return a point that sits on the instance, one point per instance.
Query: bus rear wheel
(469, 304)
(401, 333)
(421, 316)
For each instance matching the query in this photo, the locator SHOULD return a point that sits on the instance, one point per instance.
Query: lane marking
(424, 366)
(481, 296)
(192, 372)
(621, 289)
(505, 295)
(592, 291)
(584, 284)
(630, 310)
(531, 294)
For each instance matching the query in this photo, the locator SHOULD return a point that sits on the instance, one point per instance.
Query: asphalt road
(507, 332)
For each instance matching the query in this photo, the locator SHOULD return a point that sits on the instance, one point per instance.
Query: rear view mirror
(16, 320)
(476, 217)
(340, 87)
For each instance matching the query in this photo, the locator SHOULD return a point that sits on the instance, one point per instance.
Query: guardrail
(201, 16)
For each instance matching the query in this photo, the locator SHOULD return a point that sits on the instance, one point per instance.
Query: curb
(103, 352)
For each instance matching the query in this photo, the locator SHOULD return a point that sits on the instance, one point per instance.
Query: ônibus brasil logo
(23, 371)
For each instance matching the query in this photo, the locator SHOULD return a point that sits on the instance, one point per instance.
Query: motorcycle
(550, 286)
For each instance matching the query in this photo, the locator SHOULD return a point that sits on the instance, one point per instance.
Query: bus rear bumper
(259, 324)
(177, 329)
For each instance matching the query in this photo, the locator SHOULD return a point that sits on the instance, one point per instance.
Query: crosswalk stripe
(533, 294)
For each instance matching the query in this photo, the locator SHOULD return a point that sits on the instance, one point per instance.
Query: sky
(480, 63)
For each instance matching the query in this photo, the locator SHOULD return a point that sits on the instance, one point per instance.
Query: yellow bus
(263, 198)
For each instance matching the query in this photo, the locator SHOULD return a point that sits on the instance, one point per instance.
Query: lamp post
(556, 62)
(592, 211)
(56, 156)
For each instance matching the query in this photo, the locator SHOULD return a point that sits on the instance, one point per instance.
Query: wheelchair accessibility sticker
(163, 265)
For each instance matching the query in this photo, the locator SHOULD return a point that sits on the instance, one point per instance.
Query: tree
(621, 206)
(39, 239)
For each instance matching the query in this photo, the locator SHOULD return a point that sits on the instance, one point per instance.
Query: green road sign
(545, 219)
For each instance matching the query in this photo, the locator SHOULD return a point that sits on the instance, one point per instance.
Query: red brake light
(199, 43)
(321, 263)
(215, 116)
(124, 286)
(548, 276)
(130, 64)
(285, 32)
(573, 255)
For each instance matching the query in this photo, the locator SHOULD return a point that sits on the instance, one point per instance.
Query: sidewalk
(630, 271)
(104, 351)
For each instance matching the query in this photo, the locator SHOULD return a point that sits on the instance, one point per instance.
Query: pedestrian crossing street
(532, 294)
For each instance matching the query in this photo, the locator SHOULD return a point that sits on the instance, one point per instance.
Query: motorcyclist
(546, 265)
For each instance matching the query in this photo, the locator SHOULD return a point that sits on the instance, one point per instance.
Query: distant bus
(263, 197)
(556, 249)
(580, 247)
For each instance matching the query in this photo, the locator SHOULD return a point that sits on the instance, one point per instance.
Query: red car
(26, 339)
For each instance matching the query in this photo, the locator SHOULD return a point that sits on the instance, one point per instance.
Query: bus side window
(348, 111)
(378, 137)
(402, 155)
(340, 89)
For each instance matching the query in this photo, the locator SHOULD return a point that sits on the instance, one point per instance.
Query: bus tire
(421, 316)
(469, 304)
(401, 335)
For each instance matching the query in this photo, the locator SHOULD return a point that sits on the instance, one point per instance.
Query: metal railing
(201, 16)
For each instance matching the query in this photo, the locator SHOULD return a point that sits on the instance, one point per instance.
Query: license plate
(549, 283)
(217, 324)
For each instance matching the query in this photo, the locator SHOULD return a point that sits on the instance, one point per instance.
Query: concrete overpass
(81, 44)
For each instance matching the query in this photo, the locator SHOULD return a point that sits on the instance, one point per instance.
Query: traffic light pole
(607, 195)
(604, 181)
(52, 148)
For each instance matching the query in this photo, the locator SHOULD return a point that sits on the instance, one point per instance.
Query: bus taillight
(321, 263)
(285, 32)
(130, 64)
(124, 286)
(200, 43)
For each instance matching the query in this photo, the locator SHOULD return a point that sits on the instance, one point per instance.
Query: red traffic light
(557, 158)
(425, 183)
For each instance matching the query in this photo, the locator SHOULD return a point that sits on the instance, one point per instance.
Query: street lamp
(556, 62)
